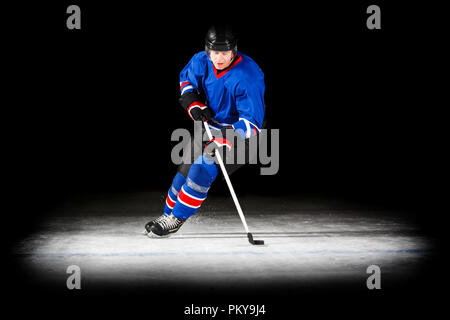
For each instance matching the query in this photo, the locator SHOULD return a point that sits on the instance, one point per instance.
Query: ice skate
(168, 225)
(151, 223)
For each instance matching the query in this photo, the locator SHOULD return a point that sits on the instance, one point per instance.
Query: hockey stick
(233, 194)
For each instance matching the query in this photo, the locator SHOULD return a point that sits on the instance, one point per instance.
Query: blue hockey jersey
(236, 95)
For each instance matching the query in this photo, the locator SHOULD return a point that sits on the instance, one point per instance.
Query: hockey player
(225, 88)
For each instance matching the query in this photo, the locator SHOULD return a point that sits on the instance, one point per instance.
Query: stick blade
(254, 242)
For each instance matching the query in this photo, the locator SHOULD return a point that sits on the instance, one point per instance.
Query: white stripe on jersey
(186, 88)
(248, 128)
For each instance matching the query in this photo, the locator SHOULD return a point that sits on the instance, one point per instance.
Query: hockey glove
(218, 143)
(199, 111)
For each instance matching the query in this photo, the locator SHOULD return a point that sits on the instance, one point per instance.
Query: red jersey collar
(236, 61)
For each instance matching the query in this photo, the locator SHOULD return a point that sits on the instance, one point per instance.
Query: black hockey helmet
(220, 38)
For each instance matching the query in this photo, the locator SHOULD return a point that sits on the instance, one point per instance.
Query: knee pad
(202, 174)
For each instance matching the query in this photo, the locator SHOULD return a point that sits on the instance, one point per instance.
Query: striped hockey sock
(192, 194)
(174, 190)
(189, 200)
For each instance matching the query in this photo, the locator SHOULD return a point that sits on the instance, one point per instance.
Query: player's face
(221, 59)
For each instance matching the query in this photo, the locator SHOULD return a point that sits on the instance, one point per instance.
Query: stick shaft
(227, 179)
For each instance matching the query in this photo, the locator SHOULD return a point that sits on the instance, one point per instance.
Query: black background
(92, 110)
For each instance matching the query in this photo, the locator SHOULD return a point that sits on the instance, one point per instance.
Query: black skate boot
(167, 225)
(149, 224)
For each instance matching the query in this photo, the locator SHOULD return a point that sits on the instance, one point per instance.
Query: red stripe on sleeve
(183, 84)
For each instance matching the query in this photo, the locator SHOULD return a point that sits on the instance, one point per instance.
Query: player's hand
(218, 143)
(199, 111)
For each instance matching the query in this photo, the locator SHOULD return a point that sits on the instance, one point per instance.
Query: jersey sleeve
(191, 80)
(250, 106)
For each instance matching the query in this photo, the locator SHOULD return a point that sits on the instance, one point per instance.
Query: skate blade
(155, 236)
